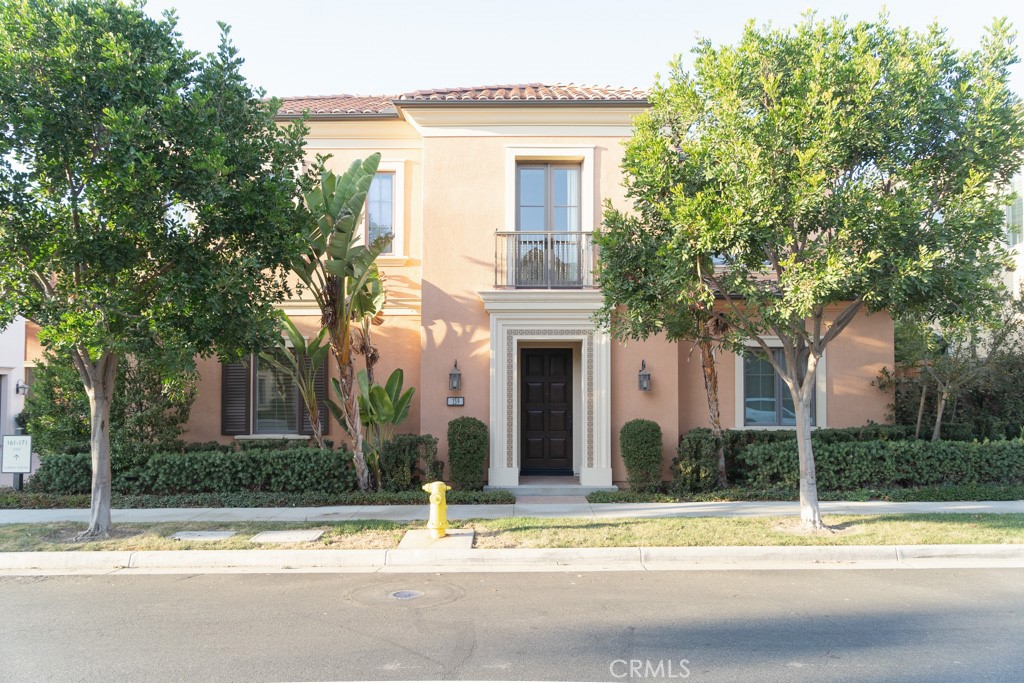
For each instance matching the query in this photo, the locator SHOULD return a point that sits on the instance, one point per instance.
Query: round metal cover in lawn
(406, 595)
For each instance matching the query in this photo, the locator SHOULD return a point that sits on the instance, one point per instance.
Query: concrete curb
(526, 559)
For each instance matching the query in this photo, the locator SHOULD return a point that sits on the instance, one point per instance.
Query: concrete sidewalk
(411, 513)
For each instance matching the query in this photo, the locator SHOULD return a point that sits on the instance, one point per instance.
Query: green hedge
(408, 460)
(640, 443)
(467, 452)
(296, 470)
(842, 466)
(695, 467)
(10, 500)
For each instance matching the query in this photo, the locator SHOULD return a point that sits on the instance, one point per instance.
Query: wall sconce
(20, 388)
(644, 377)
(455, 378)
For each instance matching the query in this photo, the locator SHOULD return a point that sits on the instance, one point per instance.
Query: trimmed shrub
(408, 460)
(467, 452)
(10, 500)
(695, 468)
(640, 443)
(297, 470)
(692, 465)
(844, 466)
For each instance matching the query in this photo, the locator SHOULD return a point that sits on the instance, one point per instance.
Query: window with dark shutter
(234, 394)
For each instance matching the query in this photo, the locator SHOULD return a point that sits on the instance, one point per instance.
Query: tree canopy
(806, 174)
(148, 200)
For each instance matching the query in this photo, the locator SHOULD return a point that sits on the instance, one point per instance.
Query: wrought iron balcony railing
(544, 260)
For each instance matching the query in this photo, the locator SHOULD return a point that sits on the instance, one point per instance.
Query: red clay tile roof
(527, 92)
(384, 105)
(337, 104)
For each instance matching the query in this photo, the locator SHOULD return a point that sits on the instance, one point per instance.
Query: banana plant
(382, 409)
(302, 361)
(339, 272)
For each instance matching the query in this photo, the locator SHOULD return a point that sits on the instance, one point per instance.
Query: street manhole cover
(406, 595)
(417, 594)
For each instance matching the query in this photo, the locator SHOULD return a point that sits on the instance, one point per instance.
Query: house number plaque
(456, 400)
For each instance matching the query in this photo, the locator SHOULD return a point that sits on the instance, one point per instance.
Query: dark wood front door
(545, 420)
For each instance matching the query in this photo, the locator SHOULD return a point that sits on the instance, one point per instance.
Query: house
(492, 195)
(13, 380)
(1015, 235)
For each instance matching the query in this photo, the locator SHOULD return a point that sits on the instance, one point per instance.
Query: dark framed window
(767, 401)
(380, 209)
(548, 197)
(258, 398)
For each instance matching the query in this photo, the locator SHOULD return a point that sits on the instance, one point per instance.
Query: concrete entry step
(531, 490)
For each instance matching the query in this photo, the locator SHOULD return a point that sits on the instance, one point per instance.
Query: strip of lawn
(551, 533)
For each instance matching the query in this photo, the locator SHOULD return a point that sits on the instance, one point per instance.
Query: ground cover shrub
(640, 444)
(953, 492)
(842, 466)
(409, 460)
(11, 500)
(296, 470)
(467, 452)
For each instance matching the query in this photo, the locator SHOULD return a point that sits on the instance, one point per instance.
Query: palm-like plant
(339, 271)
(381, 410)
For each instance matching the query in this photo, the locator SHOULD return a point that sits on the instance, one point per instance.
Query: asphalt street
(835, 625)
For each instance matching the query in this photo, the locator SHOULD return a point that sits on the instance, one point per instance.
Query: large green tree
(829, 169)
(147, 198)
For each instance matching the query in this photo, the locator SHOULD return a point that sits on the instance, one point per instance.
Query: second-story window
(380, 209)
(548, 197)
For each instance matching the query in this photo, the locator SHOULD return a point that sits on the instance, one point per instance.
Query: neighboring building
(493, 194)
(1015, 235)
(12, 379)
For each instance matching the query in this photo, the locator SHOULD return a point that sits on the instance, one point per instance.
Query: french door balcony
(544, 260)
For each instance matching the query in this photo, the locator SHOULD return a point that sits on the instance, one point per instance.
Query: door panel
(546, 411)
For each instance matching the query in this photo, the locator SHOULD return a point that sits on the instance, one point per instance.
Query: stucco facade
(453, 163)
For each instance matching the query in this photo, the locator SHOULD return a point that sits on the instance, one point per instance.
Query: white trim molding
(820, 390)
(584, 154)
(556, 317)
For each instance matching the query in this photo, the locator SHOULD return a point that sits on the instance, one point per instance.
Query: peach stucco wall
(464, 182)
(454, 197)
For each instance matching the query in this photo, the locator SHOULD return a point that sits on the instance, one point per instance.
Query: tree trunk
(810, 514)
(939, 409)
(920, 410)
(101, 393)
(707, 357)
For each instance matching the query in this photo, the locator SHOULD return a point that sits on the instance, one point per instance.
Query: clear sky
(371, 47)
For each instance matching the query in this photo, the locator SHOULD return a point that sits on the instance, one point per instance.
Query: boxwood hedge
(843, 466)
(294, 470)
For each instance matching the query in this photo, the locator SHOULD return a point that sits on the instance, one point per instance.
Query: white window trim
(582, 154)
(820, 385)
(398, 256)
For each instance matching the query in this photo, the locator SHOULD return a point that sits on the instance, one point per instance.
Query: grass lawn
(550, 533)
(131, 536)
(711, 531)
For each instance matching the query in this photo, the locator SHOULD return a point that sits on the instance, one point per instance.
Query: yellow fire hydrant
(438, 522)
